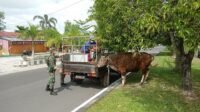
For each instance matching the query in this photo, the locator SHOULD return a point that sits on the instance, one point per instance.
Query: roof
(12, 36)
(16, 39)
(11, 39)
(9, 34)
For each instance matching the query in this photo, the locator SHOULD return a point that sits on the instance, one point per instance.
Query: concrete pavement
(9, 65)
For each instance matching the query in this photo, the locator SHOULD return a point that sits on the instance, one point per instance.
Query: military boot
(63, 84)
(47, 88)
(52, 92)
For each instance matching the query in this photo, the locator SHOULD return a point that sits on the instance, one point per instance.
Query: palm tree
(21, 28)
(46, 22)
(32, 32)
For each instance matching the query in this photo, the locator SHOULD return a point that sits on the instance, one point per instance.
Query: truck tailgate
(80, 67)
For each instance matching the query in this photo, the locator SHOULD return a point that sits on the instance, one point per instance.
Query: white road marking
(89, 100)
(111, 86)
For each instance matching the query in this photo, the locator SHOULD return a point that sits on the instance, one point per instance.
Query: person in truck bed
(90, 48)
(86, 47)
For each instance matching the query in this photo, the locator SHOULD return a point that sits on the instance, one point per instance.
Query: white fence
(29, 61)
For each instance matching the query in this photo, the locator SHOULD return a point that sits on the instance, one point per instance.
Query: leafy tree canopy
(128, 24)
(21, 28)
(53, 37)
(136, 24)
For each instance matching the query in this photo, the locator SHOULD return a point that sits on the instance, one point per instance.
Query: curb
(25, 63)
(96, 97)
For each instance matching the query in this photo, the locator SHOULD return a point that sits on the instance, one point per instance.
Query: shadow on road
(87, 83)
(61, 88)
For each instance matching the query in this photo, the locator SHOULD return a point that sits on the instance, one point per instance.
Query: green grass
(162, 93)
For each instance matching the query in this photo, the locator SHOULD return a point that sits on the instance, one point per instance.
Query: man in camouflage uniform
(51, 63)
(60, 68)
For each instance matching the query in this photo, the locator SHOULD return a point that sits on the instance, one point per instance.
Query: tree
(2, 23)
(53, 37)
(181, 21)
(77, 29)
(21, 28)
(125, 25)
(46, 22)
(32, 32)
(72, 29)
(116, 28)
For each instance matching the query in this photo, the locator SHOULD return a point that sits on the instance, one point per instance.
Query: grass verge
(162, 93)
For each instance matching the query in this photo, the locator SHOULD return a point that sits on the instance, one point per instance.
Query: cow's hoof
(141, 83)
(122, 85)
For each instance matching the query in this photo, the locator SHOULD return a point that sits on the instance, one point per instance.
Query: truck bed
(80, 67)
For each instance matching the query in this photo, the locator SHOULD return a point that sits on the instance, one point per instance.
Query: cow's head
(103, 61)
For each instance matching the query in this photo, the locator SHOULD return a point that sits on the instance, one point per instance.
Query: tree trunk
(177, 44)
(33, 48)
(186, 71)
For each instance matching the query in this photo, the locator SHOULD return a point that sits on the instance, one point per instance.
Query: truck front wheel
(105, 79)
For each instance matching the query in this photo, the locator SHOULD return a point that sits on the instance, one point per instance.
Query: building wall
(4, 47)
(4, 44)
(18, 49)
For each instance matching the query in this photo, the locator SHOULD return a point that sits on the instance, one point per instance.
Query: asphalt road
(25, 92)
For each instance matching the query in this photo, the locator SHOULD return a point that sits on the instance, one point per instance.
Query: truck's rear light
(91, 74)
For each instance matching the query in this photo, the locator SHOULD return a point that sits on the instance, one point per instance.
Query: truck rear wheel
(72, 77)
(79, 81)
(106, 80)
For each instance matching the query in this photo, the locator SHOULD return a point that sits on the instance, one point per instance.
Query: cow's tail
(152, 58)
(153, 64)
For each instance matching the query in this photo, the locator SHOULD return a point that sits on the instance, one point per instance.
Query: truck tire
(106, 80)
(72, 77)
(79, 81)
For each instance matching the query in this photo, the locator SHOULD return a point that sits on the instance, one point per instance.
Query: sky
(21, 12)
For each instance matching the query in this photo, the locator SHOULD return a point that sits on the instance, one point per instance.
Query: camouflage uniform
(51, 70)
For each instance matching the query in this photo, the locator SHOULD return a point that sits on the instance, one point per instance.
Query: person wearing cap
(60, 68)
(86, 47)
(51, 63)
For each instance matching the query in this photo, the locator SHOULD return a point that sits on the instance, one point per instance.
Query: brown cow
(128, 62)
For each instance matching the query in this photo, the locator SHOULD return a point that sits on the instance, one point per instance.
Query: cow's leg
(123, 79)
(142, 79)
(147, 74)
(144, 73)
(122, 71)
